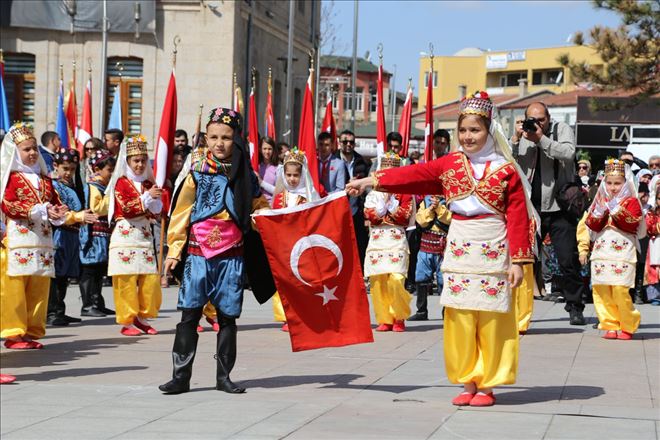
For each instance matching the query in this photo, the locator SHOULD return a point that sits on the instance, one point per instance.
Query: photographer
(545, 150)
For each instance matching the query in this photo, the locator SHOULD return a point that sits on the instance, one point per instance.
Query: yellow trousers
(23, 303)
(523, 297)
(481, 347)
(615, 309)
(209, 311)
(136, 296)
(278, 309)
(390, 298)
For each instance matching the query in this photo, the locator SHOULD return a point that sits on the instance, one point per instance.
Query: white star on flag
(327, 294)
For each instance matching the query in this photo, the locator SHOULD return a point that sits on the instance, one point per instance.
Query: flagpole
(289, 75)
(354, 66)
(104, 66)
(198, 125)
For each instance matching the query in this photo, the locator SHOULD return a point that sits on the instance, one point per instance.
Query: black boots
(183, 352)
(226, 356)
(423, 292)
(90, 284)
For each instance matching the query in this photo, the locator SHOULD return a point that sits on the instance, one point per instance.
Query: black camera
(530, 125)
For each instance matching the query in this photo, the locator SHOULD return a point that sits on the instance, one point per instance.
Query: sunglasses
(582, 167)
(654, 165)
(347, 142)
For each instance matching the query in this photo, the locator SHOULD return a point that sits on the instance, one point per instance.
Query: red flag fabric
(72, 117)
(253, 133)
(165, 144)
(313, 257)
(85, 130)
(328, 124)
(405, 123)
(270, 119)
(381, 131)
(428, 127)
(307, 134)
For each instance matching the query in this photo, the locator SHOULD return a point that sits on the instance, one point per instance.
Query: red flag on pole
(307, 134)
(85, 130)
(312, 253)
(165, 144)
(405, 123)
(381, 131)
(270, 119)
(328, 125)
(72, 116)
(253, 133)
(428, 127)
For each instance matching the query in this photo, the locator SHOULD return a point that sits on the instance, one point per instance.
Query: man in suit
(332, 171)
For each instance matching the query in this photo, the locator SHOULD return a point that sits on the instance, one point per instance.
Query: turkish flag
(405, 123)
(85, 131)
(307, 132)
(328, 125)
(253, 133)
(381, 137)
(71, 113)
(313, 256)
(270, 118)
(428, 126)
(165, 145)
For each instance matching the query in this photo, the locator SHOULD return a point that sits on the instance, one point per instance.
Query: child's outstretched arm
(583, 240)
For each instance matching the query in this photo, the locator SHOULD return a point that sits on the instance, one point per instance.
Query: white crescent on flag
(308, 242)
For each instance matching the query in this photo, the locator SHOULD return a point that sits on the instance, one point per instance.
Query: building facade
(500, 72)
(217, 40)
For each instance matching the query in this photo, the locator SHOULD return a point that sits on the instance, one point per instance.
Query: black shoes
(554, 297)
(92, 312)
(106, 310)
(419, 317)
(183, 352)
(175, 387)
(57, 321)
(226, 356)
(576, 317)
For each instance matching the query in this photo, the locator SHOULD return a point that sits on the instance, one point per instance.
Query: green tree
(631, 52)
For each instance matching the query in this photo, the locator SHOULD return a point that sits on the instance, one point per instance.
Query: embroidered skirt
(132, 248)
(613, 258)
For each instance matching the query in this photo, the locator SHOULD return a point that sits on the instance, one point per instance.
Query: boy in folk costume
(134, 201)
(29, 206)
(652, 265)
(66, 237)
(484, 191)
(293, 187)
(434, 218)
(212, 221)
(386, 261)
(95, 238)
(613, 221)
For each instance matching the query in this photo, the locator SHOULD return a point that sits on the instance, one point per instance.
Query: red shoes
(145, 327)
(285, 327)
(399, 326)
(384, 328)
(482, 399)
(462, 399)
(214, 324)
(199, 328)
(130, 331)
(20, 344)
(6, 378)
(610, 334)
(625, 336)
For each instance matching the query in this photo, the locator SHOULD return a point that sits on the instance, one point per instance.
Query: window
(373, 102)
(130, 83)
(511, 79)
(550, 77)
(435, 79)
(335, 101)
(348, 101)
(19, 86)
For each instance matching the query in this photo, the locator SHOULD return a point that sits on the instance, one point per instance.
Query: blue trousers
(427, 265)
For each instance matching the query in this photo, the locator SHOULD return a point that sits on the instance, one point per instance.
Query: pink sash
(215, 236)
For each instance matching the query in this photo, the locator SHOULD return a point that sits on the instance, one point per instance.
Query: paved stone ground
(92, 383)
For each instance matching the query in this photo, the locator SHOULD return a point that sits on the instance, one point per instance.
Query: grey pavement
(89, 382)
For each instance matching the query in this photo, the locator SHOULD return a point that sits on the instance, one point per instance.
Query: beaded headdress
(67, 155)
(20, 132)
(225, 116)
(294, 156)
(478, 103)
(390, 160)
(99, 156)
(136, 145)
(615, 167)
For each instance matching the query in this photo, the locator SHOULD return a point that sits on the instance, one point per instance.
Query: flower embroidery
(396, 234)
(395, 258)
(456, 288)
(214, 238)
(618, 246)
(23, 259)
(126, 257)
(375, 258)
(46, 259)
(146, 231)
(599, 268)
(22, 229)
(492, 291)
(619, 270)
(493, 253)
(459, 251)
(45, 229)
(598, 245)
(148, 256)
(124, 231)
(376, 234)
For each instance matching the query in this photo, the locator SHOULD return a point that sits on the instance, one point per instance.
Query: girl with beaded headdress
(613, 221)
(489, 240)
(66, 237)
(30, 206)
(134, 202)
(293, 187)
(211, 221)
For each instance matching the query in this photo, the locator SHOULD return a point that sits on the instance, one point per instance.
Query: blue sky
(406, 27)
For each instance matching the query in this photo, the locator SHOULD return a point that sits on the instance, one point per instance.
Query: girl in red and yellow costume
(134, 201)
(613, 221)
(30, 205)
(386, 261)
(488, 240)
(293, 187)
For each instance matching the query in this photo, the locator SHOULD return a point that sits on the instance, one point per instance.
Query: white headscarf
(305, 187)
(653, 189)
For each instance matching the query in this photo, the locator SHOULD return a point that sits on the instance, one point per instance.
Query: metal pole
(354, 66)
(289, 74)
(393, 100)
(104, 66)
